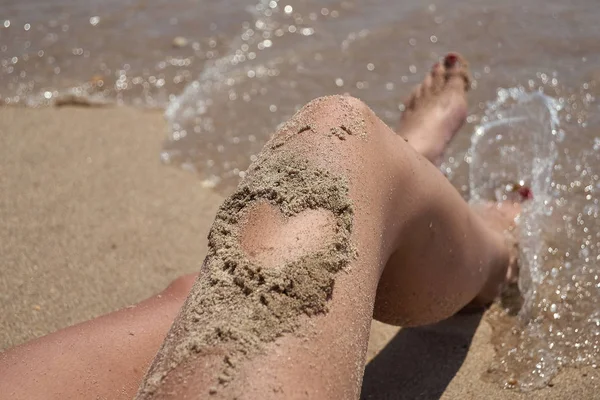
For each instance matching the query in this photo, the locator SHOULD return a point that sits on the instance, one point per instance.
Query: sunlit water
(228, 72)
(521, 140)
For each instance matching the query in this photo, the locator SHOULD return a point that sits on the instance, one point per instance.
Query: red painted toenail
(450, 60)
(525, 193)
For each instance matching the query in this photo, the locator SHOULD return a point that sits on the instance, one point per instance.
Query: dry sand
(91, 222)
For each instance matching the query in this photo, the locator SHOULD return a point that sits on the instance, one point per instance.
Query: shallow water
(521, 140)
(228, 72)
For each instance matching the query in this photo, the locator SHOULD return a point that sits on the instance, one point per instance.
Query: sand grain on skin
(238, 305)
(350, 122)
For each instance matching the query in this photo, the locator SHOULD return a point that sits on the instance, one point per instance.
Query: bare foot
(437, 108)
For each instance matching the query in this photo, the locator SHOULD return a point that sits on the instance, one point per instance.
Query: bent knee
(336, 116)
(338, 106)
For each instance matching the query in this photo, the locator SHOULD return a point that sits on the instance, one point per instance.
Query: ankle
(499, 267)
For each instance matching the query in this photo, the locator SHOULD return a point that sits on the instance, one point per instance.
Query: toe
(457, 71)
(438, 78)
(412, 103)
(426, 86)
(458, 82)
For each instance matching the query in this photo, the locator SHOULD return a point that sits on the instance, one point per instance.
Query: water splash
(521, 139)
(518, 131)
(238, 76)
(285, 55)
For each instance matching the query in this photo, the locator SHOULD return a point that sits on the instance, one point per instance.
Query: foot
(437, 108)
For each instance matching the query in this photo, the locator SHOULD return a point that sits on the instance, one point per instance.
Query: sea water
(521, 140)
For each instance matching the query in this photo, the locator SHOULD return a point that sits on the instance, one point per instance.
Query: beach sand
(92, 221)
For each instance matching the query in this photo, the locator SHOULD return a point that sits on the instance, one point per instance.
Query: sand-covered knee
(342, 117)
(239, 304)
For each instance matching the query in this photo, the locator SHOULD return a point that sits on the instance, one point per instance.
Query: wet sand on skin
(91, 222)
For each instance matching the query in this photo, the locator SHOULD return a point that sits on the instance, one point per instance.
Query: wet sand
(91, 222)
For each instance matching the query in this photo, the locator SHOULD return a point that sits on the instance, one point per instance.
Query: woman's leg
(104, 358)
(340, 219)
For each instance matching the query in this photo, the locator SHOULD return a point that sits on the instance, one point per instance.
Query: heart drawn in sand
(271, 239)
